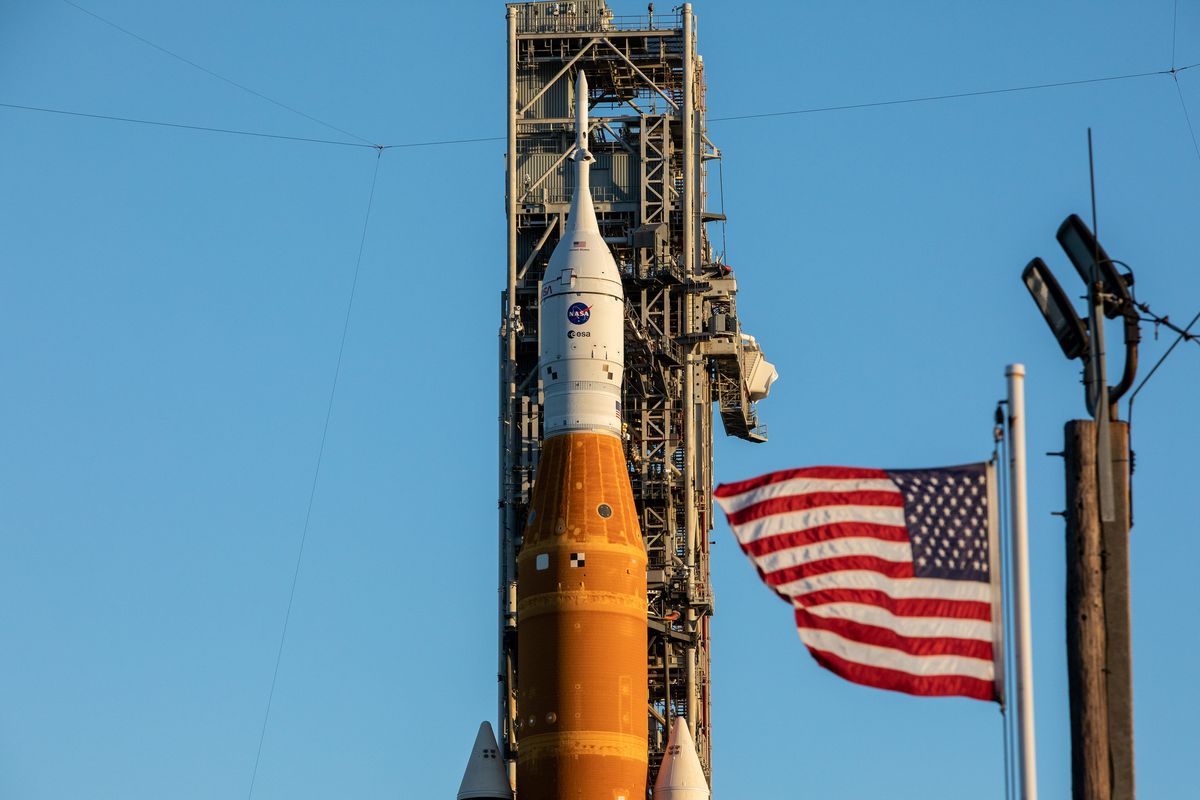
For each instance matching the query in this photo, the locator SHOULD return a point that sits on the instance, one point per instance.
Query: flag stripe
(824, 533)
(834, 548)
(906, 625)
(802, 486)
(791, 575)
(835, 473)
(800, 502)
(901, 607)
(898, 681)
(890, 516)
(869, 655)
(922, 645)
(925, 588)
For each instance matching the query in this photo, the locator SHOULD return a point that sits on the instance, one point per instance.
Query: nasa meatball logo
(578, 313)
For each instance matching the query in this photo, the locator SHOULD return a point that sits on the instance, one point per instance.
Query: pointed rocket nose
(485, 777)
(681, 777)
(581, 118)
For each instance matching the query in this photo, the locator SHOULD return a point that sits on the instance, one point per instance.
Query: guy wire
(312, 492)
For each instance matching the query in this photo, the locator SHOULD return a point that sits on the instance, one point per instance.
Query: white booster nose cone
(485, 777)
(681, 777)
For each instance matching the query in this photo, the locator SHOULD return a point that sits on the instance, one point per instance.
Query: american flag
(893, 574)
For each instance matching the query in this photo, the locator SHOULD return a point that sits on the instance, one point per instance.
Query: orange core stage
(581, 610)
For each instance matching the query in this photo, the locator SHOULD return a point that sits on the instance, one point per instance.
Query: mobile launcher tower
(634, 129)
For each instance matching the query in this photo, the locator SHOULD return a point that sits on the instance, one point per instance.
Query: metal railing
(562, 195)
(542, 18)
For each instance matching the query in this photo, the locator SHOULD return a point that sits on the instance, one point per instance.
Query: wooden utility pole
(1086, 640)
(1098, 619)
(1118, 646)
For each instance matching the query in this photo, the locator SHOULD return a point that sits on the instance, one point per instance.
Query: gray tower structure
(685, 348)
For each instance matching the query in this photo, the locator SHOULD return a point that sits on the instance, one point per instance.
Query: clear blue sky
(171, 304)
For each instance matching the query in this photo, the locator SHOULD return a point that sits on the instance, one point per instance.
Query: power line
(441, 142)
(184, 126)
(981, 93)
(216, 75)
(1166, 322)
(1186, 116)
(955, 96)
(312, 492)
(1174, 31)
(1183, 334)
(238, 132)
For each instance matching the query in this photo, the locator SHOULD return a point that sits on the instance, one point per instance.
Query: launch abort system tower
(685, 348)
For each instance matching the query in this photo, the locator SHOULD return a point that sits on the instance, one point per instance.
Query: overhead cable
(216, 75)
(237, 132)
(312, 491)
(955, 96)
(1186, 116)
(1174, 31)
(440, 142)
(184, 126)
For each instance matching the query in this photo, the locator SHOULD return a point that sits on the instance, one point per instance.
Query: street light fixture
(1056, 308)
(1081, 247)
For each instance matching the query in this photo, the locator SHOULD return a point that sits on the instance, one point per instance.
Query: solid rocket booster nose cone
(485, 777)
(681, 777)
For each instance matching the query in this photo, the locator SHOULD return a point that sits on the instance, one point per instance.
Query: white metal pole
(1019, 568)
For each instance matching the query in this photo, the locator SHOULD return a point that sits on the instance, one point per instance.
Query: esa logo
(578, 313)
(579, 334)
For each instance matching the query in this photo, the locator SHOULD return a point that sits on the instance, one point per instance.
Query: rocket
(581, 572)
(681, 776)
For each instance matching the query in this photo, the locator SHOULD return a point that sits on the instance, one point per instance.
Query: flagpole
(1019, 568)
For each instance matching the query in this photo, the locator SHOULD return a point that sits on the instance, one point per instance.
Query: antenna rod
(1092, 179)
(1099, 371)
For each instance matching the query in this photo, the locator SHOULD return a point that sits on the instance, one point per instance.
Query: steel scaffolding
(684, 345)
